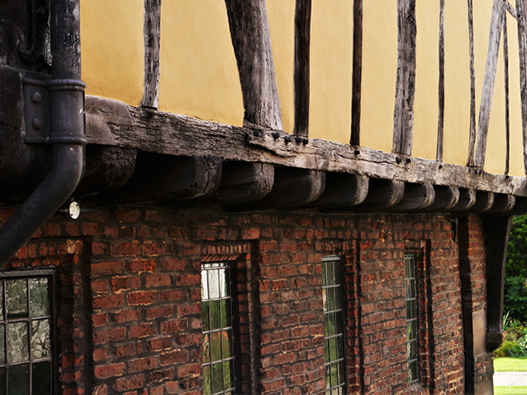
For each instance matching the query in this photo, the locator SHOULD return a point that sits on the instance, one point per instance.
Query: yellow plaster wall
(426, 80)
(199, 76)
(378, 73)
(113, 48)
(331, 70)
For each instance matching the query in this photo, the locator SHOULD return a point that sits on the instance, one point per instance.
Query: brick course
(130, 286)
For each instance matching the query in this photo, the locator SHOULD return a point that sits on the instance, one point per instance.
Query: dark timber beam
(416, 197)
(251, 40)
(357, 72)
(117, 124)
(152, 38)
(472, 130)
(302, 60)
(403, 118)
(292, 187)
(522, 46)
(496, 241)
(343, 190)
(160, 178)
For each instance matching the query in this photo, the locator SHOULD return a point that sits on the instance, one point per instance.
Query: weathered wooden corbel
(292, 187)
(484, 202)
(382, 195)
(416, 197)
(244, 182)
(503, 203)
(467, 199)
(165, 178)
(445, 198)
(496, 241)
(343, 190)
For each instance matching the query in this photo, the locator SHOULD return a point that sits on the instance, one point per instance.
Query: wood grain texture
(244, 182)
(416, 197)
(496, 27)
(302, 66)
(522, 44)
(357, 72)
(292, 187)
(441, 84)
(467, 199)
(343, 190)
(159, 178)
(507, 100)
(382, 195)
(472, 128)
(403, 118)
(170, 134)
(251, 40)
(152, 37)
(445, 199)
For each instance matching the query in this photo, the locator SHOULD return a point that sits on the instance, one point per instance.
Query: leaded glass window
(412, 352)
(333, 325)
(217, 327)
(25, 336)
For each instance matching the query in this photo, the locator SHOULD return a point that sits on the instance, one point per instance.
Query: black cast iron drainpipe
(66, 93)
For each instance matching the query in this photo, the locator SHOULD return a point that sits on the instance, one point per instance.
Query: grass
(510, 390)
(508, 364)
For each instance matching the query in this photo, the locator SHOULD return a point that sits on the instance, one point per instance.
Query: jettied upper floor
(374, 105)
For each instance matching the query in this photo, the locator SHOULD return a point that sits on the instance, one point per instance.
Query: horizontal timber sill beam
(117, 124)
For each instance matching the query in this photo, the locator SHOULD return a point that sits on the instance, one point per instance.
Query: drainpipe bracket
(37, 111)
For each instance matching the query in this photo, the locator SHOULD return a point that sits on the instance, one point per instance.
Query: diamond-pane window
(333, 325)
(412, 352)
(217, 328)
(25, 335)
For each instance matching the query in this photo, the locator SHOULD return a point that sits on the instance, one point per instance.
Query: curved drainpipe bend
(67, 135)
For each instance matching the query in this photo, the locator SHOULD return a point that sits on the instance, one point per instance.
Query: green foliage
(516, 270)
(515, 343)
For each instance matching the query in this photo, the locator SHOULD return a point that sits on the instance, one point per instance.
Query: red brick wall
(130, 318)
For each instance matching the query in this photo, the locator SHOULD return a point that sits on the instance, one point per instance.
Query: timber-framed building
(257, 197)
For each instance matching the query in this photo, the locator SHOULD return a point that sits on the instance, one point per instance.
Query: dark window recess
(412, 352)
(25, 336)
(217, 327)
(333, 325)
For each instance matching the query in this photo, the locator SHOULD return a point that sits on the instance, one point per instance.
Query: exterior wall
(199, 75)
(130, 289)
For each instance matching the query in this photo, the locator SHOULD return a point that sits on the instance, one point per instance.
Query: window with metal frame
(26, 361)
(333, 325)
(218, 364)
(412, 343)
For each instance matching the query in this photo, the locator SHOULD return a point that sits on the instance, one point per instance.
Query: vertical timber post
(302, 68)
(403, 118)
(251, 39)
